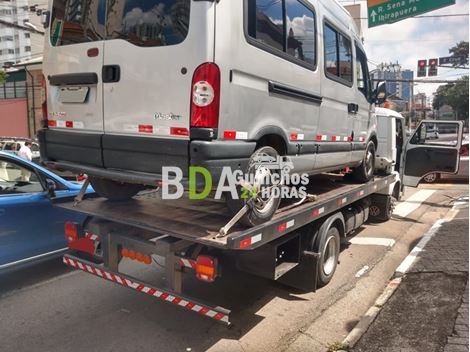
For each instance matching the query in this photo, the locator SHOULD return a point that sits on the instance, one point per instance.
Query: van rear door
(433, 148)
(153, 48)
(73, 60)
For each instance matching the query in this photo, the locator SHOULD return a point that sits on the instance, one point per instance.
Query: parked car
(121, 108)
(15, 144)
(31, 228)
(463, 168)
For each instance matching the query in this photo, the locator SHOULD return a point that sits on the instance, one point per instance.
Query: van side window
(284, 25)
(266, 22)
(362, 72)
(300, 27)
(338, 55)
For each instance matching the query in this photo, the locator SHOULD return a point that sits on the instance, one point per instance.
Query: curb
(363, 325)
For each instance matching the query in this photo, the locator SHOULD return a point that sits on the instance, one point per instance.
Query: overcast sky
(412, 39)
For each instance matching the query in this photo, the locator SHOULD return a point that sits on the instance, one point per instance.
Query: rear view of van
(119, 77)
(134, 86)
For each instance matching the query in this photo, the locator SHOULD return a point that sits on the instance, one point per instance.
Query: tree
(3, 77)
(454, 95)
(460, 50)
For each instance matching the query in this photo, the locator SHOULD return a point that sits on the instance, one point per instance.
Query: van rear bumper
(138, 159)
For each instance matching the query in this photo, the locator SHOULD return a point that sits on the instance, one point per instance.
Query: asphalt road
(50, 308)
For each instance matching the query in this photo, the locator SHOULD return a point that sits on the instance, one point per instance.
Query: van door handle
(111, 73)
(353, 108)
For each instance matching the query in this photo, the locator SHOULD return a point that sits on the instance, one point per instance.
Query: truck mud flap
(218, 314)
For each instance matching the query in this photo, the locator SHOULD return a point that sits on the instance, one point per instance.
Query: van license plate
(73, 94)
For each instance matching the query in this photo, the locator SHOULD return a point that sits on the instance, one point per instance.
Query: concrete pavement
(429, 309)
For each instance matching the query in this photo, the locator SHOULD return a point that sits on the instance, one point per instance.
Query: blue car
(31, 228)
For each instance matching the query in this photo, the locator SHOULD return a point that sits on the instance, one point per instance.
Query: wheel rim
(374, 210)
(369, 162)
(263, 205)
(430, 178)
(329, 256)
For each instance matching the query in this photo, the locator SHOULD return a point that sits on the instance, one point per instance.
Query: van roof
(388, 113)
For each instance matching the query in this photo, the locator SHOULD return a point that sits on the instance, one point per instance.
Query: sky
(413, 39)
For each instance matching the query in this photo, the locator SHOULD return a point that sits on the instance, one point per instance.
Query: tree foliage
(454, 95)
(3, 77)
(460, 50)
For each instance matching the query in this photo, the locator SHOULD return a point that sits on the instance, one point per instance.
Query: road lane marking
(372, 241)
(361, 272)
(412, 203)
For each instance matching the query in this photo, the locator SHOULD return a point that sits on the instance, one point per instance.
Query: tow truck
(299, 247)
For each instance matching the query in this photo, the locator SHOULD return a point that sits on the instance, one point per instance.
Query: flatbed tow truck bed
(200, 221)
(288, 248)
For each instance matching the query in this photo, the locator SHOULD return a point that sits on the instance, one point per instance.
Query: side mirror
(380, 94)
(51, 188)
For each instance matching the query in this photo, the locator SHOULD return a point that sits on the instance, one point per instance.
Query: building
(15, 43)
(393, 74)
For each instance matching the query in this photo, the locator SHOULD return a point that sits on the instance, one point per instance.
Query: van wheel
(328, 248)
(365, 171)
(263, 208)
(113, 190)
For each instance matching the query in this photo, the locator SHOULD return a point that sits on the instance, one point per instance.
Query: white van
(135, 85)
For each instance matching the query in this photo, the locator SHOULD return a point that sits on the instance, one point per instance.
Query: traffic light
(422, 68)
(433, 63)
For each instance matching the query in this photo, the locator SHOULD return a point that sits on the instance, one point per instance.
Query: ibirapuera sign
(389, 11)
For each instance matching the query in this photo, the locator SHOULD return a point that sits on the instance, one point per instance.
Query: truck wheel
(263, 209)
(328, 248)
(113, 190)
(382, 207)
(365, 171)
(431, 178)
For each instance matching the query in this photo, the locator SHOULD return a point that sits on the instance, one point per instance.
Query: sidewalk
(429, 309)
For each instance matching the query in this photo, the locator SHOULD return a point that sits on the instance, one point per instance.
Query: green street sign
(383, 12)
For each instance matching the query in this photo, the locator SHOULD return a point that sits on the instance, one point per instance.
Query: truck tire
(381, 208)
(262, 209)
(328, 247)
(365, 172)
(113, 190)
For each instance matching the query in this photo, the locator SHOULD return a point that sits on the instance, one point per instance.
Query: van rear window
(140, 22)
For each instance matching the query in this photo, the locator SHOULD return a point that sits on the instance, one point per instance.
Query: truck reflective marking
(235, 135)
(179, 301)
(318, 211)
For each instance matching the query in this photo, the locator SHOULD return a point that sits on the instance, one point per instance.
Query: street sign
(453, 60)
(389, 11)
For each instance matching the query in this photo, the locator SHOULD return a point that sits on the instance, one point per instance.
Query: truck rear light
(133, 255)
(206, 268)
(205, 96)
(71, 231)
(44, 98)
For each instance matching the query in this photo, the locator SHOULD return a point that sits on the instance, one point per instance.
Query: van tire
(254, 216)
(365, 172)
(328, 248)
(113, 190)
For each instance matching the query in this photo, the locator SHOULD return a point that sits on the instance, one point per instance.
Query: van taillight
(205, 96)
(44, 98)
